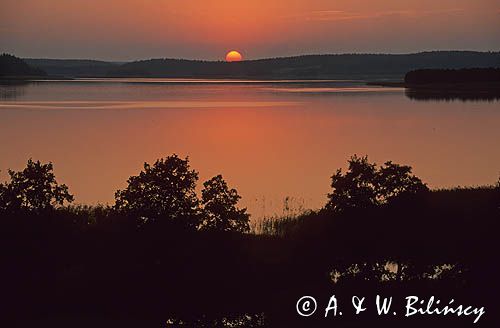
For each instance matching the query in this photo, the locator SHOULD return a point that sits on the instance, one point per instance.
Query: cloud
(340, 15)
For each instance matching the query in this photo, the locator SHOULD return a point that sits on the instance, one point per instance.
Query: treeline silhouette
(11, 66)
(308, 66)
(475, 84)
(73, 67)
(162, 255)
(453, 76)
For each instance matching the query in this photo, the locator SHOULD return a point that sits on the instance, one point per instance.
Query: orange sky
(131, 29)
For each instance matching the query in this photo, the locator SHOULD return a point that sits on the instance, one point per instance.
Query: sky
(124, 30)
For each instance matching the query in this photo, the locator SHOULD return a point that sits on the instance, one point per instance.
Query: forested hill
(13, 67)
(73, 67)
(310, 66)
(367, 66)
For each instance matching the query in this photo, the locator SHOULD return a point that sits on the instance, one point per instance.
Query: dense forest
(11, 66)
(363, 66)
(312, 66)
(164, 256)
(453, 76)
(73, 67)
(474, 84)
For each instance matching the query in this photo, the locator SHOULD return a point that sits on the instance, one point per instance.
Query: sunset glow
(133, 29)
(204, 163)
(234, 56)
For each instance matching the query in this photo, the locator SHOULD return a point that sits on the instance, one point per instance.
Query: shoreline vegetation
(13, 68)
(337, 66)
(447, 78)
(447, 84)
(479, 82)
(163, 255)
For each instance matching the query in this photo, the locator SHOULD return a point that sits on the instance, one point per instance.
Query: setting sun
(234, 56)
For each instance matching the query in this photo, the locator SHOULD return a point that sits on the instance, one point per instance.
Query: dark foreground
(163, 256)
(91, 268)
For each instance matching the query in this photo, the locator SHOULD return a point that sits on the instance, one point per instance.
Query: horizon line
(256, 59)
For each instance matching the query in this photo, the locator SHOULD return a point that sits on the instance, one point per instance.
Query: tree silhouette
(309, 66)
(356, 188)
(13, 66)
(164, 190)
(464, 75)
(90, 264)
(33, 189)
(4, 197)
(220, 212)
(394, 180)
(365, 185)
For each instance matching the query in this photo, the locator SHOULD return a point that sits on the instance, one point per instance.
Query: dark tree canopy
(465, 75)
(164, 190)
(220, 211)
(309, 66)
(34, 189)
(365, 185)
(394, 180)
(13, 66)
(94, 266)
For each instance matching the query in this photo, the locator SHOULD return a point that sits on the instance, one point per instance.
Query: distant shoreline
(367, 67)
(444, 86)
(480, 81)
(447, 91)
(31, 78)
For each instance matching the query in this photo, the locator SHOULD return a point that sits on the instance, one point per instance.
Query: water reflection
(489, 95)
(12, 90)
(268, 144)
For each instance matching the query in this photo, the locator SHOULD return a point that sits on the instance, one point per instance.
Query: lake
(276, 142)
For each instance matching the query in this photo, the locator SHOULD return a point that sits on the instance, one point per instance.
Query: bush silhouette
(394, 180)
(219, 207)
(162, 191)
(364, 185)
(33, 189)
(91, 266)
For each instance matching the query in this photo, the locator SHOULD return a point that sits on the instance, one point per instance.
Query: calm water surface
(269, 140)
